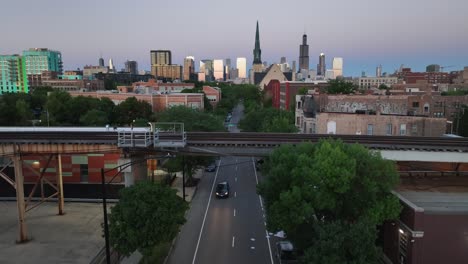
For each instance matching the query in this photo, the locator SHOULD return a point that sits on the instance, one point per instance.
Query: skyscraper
(13, 77)
(242, 67)
(294, 66)
(161, 57)
(283, 60)
(206, 67)
(101, 62)
(257, 53)
(189, 67)
(337, 67)
(321, 67)
(111, 66)
(162, 67)
(218, 68)
(304, 54)
(433, 68)
(131, 67)
(378, 71)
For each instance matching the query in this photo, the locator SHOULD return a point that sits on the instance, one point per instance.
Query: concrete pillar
(139, 168)
(19, 182)
(59, 185)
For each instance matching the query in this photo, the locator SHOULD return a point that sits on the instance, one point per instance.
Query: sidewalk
(189, 194)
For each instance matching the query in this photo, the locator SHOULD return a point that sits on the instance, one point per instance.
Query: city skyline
(390, 35)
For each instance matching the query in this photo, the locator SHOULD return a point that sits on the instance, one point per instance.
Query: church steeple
(257, 52)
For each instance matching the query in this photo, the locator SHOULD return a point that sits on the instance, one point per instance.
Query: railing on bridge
(160, 135)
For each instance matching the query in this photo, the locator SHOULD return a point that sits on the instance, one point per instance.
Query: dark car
(222, 190)
(258, 164)
(210, 168)
(285, 252)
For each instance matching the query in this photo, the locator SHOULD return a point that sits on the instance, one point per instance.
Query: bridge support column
(139, 168)
(19, 185)
(59, 185)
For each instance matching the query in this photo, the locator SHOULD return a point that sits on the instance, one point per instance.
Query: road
(230, 230)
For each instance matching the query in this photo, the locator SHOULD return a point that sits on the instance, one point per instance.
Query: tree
(132, 109)
(57, 106)
(383, 86)
(193, 119)
(147, 214)
(340, 87)
(94, 117)
(329, 198)
(268, 120)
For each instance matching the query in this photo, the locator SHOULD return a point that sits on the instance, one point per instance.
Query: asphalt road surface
(230, 230)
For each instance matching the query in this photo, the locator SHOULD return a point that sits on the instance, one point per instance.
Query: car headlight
(226, 193)
(217, 193)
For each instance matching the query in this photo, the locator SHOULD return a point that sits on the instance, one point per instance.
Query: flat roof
(438, 201)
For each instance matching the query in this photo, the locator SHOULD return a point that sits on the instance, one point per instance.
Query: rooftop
(438, 199)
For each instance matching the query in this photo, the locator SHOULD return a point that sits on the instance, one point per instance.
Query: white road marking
(233, 237)
(261, 205)
(234, 212)
(236, 168)
(206, 212)
(252, 247)
(236, 179)
(252, 239)
(235, 194)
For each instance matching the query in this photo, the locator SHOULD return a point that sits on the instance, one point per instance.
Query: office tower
(111, 66)
(363, 74)
(321, 67)
(206, 67)
(218, 68)
(304, 54)
(13, 77)
(433, 68)
(242, 67)
(337, 67)
(228, 63)
(330, 74)
(162, 67)
(283, 60)
(39, 60)
(101, 62)
(378, 71)
(234, 74)
(161, 57)
(131, 67)
(294, 66)
(227, 69)
(257, 53)
(189, 68)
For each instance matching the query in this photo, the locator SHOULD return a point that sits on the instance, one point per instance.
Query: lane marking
(235, 194)
(233, 237)
(261, 205)
(234, 212)
(206, 212)
(236, 168)
(236, 179)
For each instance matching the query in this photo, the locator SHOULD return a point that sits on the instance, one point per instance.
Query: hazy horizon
(364, 33)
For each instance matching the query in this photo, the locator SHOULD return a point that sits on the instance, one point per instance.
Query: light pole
(119, 169)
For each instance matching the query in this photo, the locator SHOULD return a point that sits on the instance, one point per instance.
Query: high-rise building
(257, 53)
(378, 71)
(111, 66)
(131, 67)
(39, 60)
(433, 68)
(162, 67)
(337, 67)
(218, 70)
(161, 57)
(283, 60)
(228, 62)
(101, 62)
(189, 68)
(206, 66)
(242, 67)
(321, 67)
(13, 77)
(304, 54)
(294, 66)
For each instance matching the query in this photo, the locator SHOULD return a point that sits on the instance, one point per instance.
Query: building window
(414, 129)
(415, 104)
(370, 129)
(403, 130)
(403, 246)
(299, 105)
(389, 130)
(426, 108)
(313, 129)
(298, 121)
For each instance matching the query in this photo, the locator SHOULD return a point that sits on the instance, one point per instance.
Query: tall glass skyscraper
(304, 54)
(242, 67)
(39, 60)
(13, 77)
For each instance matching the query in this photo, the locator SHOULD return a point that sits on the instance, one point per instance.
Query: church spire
(257, 52)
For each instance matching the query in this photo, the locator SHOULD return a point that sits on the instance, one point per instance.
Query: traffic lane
(185, 244)
(249, 222)
(217, 240)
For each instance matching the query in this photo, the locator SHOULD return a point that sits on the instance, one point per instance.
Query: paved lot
(75, 237)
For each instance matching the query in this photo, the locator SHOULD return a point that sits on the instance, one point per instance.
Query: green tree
(23, 113)
(340, 87)
(268, 120)
(193, 119)
(146, 215)
(383, 86)
(328, 198)
(132, 109)
(58, 106)
(94, 117)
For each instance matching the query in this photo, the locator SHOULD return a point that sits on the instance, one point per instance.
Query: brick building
(213, 94)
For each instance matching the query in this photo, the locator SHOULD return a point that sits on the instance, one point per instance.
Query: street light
(119, 169)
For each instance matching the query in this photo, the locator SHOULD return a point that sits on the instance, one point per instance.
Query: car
(258, 164)
(285, 252)
(211, 168)
(222, 190)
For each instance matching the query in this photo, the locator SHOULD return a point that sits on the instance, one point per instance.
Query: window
(414, 129)
(299, 105)
(389, 130)
(415, 104)
(370, 129)
(426, 108)
(403, 130)
(298, 121)
(313, 128)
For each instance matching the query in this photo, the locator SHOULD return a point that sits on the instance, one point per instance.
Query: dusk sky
(365, 33)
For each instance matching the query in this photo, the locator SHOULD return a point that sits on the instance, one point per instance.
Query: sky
(365, 33)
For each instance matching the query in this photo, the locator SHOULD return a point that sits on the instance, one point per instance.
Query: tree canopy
(328, 198)
(268, 120)
(340, 86)
(147, 214)
(193, 119)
